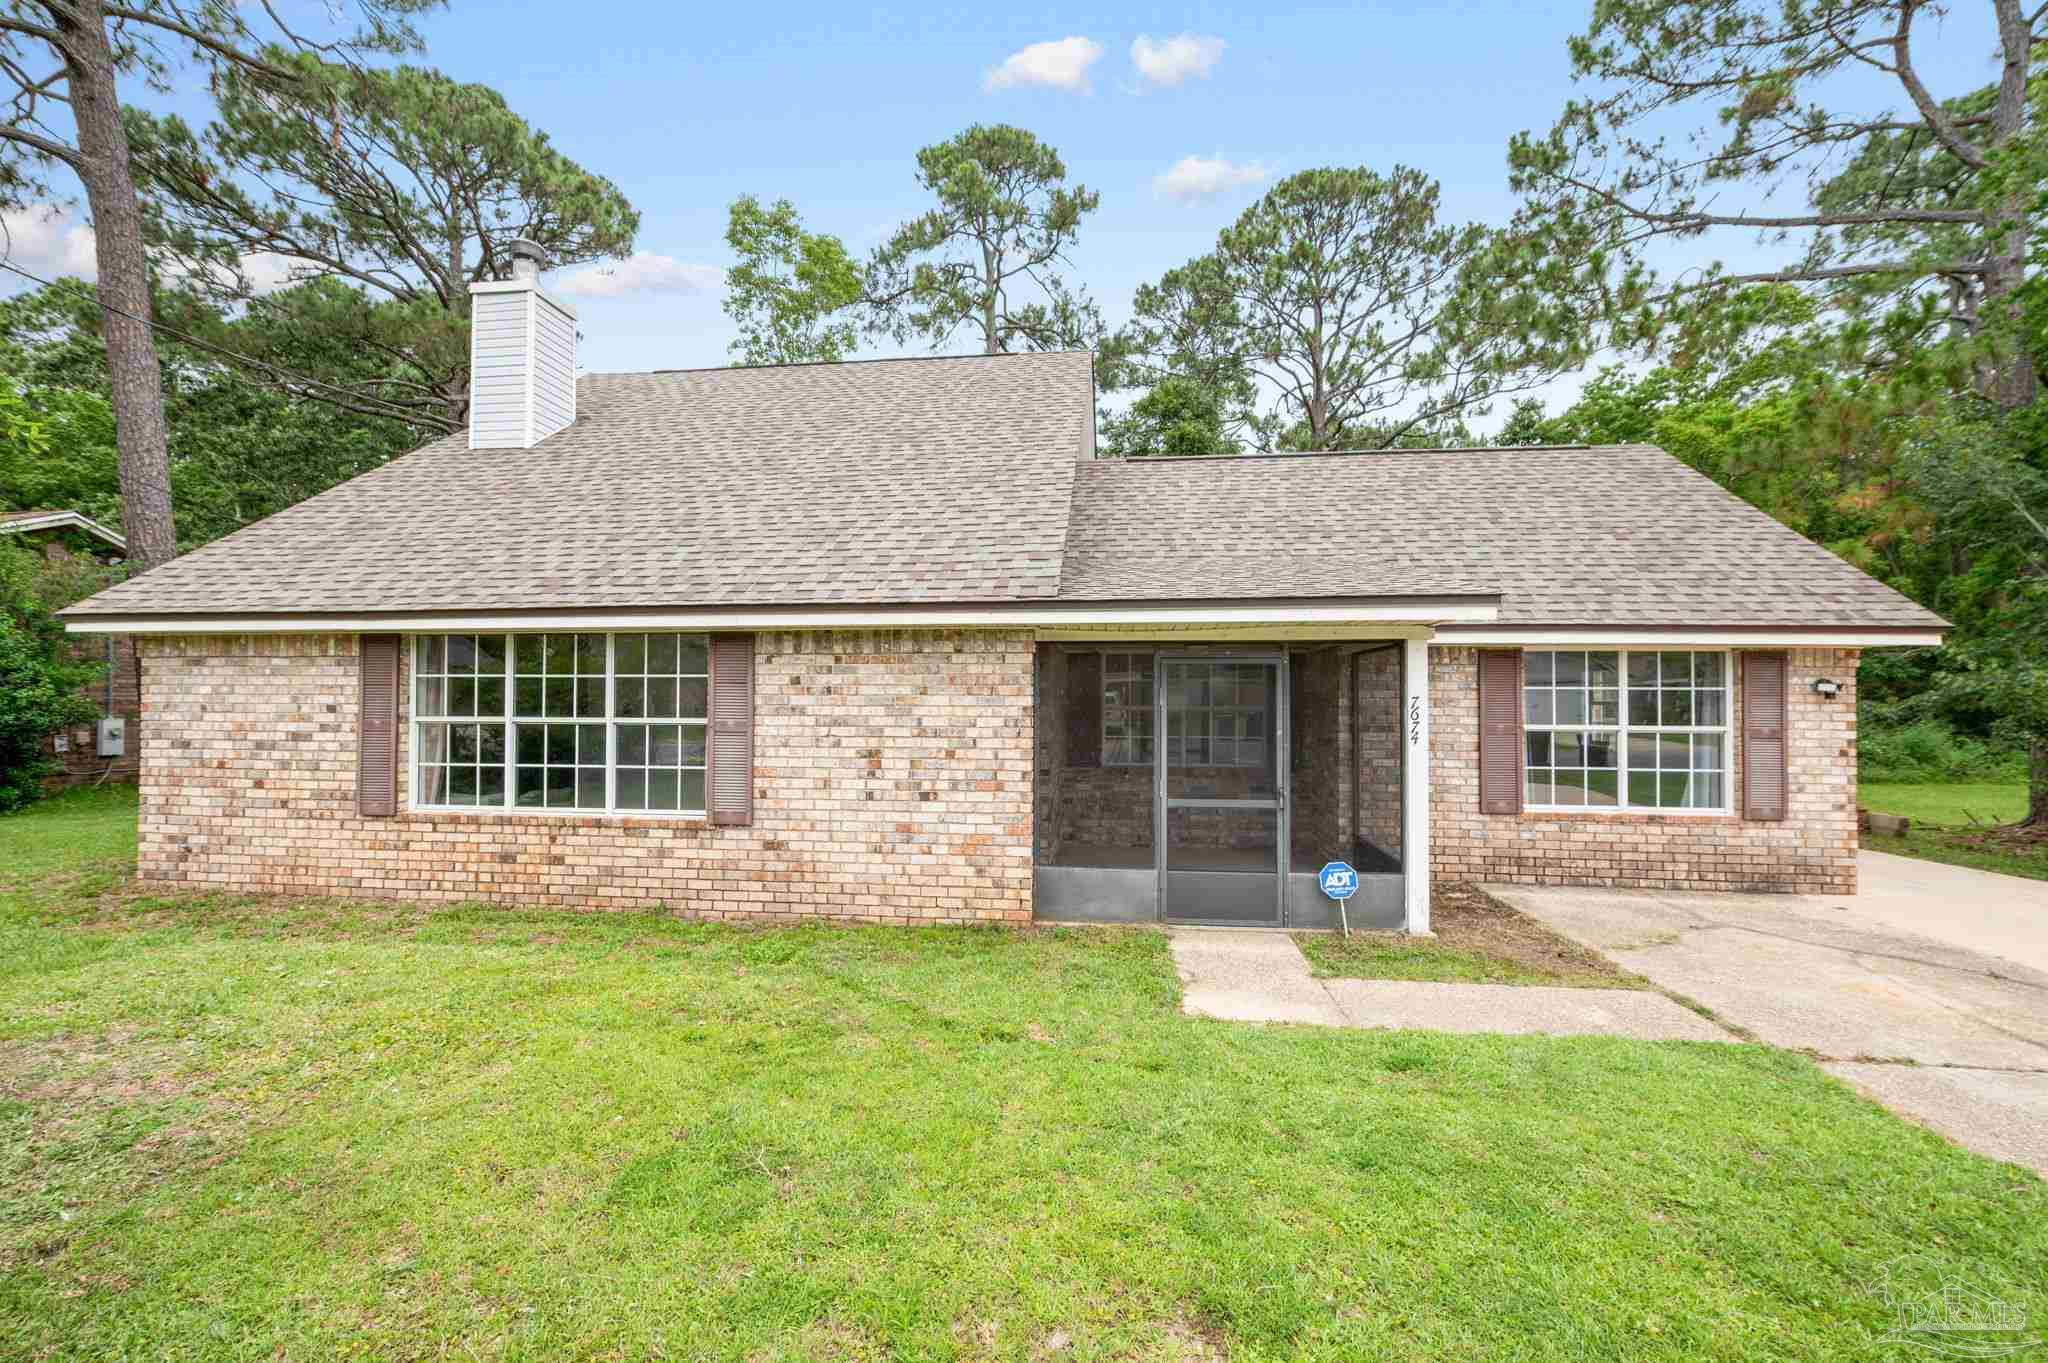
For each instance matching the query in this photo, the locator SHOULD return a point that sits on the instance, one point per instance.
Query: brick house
(886, 641)
(82, 755)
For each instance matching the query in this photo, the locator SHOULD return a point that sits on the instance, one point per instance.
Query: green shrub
(1929, 750)
(39, 679)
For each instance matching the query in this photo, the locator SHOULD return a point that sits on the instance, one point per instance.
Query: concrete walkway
(1935, 1029)
(1261, 976)
(1979, 910)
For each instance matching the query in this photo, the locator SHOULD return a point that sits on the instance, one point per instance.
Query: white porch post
(1415, 783)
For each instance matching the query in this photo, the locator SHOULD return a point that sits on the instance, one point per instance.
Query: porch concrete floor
(1261, 976)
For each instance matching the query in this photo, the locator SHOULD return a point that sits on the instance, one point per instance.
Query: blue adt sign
(1338, 881)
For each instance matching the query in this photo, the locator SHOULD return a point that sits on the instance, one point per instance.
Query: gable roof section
(23, 522)
(884, 481)
(1603, 537)
(897, 484)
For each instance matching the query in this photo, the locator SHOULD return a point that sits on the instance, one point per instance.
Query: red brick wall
(1812, 850)
(1378, 724)
(893, 780)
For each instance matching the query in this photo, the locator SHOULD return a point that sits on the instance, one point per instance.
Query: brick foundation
(1812, 850)
(893, 780)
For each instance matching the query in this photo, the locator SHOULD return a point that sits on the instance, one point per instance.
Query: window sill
(566, 818)
(1568, 812)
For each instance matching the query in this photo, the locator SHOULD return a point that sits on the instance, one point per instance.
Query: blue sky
(686, 107)
(828, 104)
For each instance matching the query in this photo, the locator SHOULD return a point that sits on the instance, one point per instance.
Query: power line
(275, 371)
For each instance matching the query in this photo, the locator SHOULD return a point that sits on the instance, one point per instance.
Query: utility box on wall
(113, 736)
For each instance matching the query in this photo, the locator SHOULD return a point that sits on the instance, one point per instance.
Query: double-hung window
(1625, 729)
(1215, 715)
(1127, 681)
(572, 722)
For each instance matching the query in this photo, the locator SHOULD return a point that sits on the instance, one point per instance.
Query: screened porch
(1209, 784)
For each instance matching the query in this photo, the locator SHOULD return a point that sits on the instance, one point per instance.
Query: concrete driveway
(1928, 991)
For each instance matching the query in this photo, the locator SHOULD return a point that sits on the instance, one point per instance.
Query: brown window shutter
(1764, 680)
(1500, 731)
(730, 796)
(377, 726)
(1084, 709)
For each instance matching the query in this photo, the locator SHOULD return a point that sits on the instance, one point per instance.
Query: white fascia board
(520, 286)
(1388, 619)
(56, 520)
(1453, 636)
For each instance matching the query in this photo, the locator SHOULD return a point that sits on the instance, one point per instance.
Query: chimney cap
(528, 259)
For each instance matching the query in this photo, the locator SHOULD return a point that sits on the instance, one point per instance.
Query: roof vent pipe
(528, 260)
(522, 356)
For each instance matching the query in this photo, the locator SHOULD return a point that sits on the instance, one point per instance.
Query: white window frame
(1623, 729)
(509, 717)
(1131, 673)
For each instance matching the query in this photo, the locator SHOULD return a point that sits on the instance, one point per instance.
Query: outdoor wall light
(1826, 689)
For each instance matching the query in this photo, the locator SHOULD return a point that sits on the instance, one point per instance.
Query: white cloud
(642, 272)
(267, 271)
(1062, 65)
(1199, 177)
(1169, 61)
(48, 240)
(53, 242)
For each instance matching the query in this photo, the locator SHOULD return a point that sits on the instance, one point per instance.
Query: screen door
(1221, 765)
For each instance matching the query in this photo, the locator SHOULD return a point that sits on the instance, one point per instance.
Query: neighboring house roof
(22, 522)
(881, 481)
(1571, 535)
(905, 483)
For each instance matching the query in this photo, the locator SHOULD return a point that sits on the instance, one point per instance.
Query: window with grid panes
(560, 721)
(1625, 729)
(1218, 716)
(1127, 681)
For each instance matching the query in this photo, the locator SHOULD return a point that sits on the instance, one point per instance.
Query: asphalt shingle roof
(1603, 536)
(883, 481)
(923, 482)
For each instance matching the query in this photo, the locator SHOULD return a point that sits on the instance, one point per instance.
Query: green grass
(239, 1128)
(1954, 803)
(1943, 830)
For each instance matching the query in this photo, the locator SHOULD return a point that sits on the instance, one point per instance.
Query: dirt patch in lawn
(91, 1120)
(1478, 939)
(1467, 917)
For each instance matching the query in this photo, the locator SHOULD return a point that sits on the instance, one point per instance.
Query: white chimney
(522, 357)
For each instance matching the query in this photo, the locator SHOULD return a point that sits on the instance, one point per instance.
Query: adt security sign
(1339, 882)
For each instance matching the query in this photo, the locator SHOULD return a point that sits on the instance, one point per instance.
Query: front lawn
(1950, 803)
(1956, 822)
(240, 1128)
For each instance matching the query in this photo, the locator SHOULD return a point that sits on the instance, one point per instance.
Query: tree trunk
(991, 287)
(2037, 784)
(2017, 380)
(132, 373)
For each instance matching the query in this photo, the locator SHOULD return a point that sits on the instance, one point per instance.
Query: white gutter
(1774, 637)
(1049, 621)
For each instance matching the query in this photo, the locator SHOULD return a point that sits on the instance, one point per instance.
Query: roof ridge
(819, 364)
(1387, 452)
